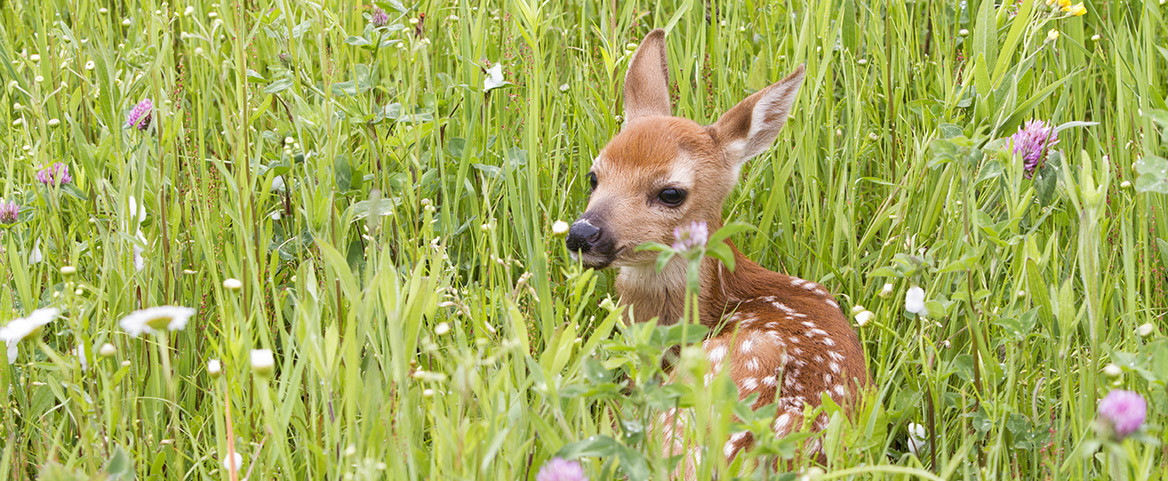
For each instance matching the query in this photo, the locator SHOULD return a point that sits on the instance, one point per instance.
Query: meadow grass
(374, 206)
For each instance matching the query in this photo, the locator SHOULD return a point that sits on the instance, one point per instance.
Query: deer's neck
(648, 293)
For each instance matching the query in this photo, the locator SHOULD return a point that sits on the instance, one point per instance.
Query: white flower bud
(107, 350)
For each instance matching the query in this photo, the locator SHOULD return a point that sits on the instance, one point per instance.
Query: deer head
(661, 171)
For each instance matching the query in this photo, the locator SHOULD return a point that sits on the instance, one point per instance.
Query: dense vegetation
(372, 198)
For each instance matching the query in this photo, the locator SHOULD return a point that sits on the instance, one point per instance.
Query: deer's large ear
(750, 127)
(647, 82)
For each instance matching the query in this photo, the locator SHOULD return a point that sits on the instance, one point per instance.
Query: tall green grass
(396, 250)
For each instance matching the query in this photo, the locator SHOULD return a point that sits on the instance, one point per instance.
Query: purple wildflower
(379, 18)
(139, 118)
(1032, 141)
(1123, 412)
(692, 236)
(9, 212)
(560, 469)
(55, 175)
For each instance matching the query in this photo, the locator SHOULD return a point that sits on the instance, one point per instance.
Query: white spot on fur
(716, 354)
(839, 389)
(818, 332)
(771, 381)
(750, 384)
(835, 367)
(747, 345)
(795, 281)
(831, 303)
(829, 341)
(753, 364)
(782, 422)
(808, 323)
(835, 355)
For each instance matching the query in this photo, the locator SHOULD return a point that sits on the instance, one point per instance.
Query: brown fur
(777, 335)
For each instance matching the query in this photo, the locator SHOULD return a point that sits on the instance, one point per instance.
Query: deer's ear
(750, 127)
(647, 82)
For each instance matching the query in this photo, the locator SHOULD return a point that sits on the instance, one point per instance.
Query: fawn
(780, 336)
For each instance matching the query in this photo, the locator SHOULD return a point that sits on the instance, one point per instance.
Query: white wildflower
(914, 301)
(1146, 330)
(560, 227)
(107, 350)
(916, 438)
(863, 317)
(159, 318)
(232, 284)
(21, 328)
(494, 78)
(1112, 371)
(262, 361)
(35, 257)
(237, 461)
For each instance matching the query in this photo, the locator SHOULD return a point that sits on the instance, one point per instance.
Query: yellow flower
(1064, 4)
(1078, 10)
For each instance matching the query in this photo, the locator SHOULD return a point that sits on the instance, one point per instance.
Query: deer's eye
(671, 196)
(592, 181)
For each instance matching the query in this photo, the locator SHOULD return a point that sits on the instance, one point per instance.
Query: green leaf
(357, 41)
(298, 31)
(1153, 172)
(344, 173)
(597, 446)
(278, 85)
(120, 465)
(1046, 180)
(985, 37)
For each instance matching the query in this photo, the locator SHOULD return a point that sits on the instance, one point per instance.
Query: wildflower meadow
(325, 240)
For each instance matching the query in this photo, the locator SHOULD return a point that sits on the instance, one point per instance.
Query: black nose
(582, 236)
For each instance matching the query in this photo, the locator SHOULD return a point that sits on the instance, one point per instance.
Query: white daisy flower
(159, 318)
(1146, 330)
(107, 350)
(1112, 371)
(914, 301)
(560, 227)
(21, 328)
(262, 361)
(916, 437)
(863, 317)
(136, 208)
(35, 257)
(238, 461)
